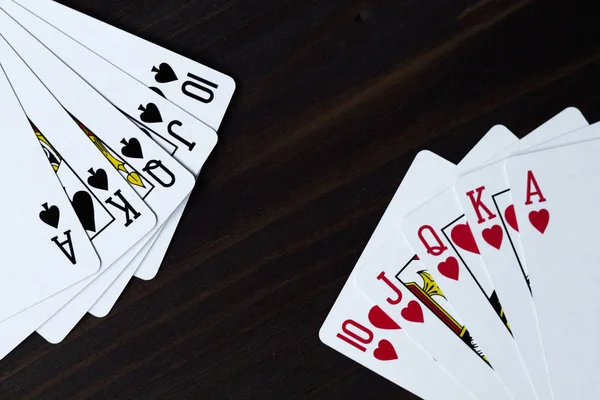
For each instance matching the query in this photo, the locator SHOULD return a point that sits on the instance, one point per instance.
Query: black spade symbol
(84, 208)
(158, 91)
(132, 149)
(98, 179)
(164, 73)
(150, 113)
(50, 215)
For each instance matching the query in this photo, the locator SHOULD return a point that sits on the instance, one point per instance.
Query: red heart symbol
(493, 236)
(381, 320)
(385, 351)
(449, 268)
(511, 217)
(413, 312)
(539, 219)
(463, 237)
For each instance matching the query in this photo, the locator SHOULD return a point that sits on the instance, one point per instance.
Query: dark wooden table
(335, 98)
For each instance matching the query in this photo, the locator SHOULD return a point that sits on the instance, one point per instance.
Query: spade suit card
(192, 140)
(554, 193)
(353, 326)
(486, 200)
(396, 281)
(151, 254)
(196, 88)
(46, 249)
(145, 264)
(187, 139)
(114, 216)
(158, 178)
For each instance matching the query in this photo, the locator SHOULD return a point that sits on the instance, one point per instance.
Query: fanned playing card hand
(102, 166)
(476, 271)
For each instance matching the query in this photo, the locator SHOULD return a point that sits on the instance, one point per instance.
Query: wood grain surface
(334, 99)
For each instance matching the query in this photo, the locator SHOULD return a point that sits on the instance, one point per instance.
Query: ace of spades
(185, 138)
(109, 208)
(164, 183)
(193, 140)
(45, 249)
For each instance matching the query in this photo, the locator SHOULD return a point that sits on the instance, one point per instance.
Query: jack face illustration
(425, 288)
(132, 148)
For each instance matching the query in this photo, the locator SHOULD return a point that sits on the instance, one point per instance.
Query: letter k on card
(485, 196)
(440, 235)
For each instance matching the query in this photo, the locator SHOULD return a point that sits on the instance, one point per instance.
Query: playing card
(113, 215)
(397, 282)
(554, 193)
(403, 289)
(359, 329)
(486, 200)
(150, 256)
(154, 174)
(354, 320)
(362, 332)
(201, 91)
(44, 248)
(193, 140)
(562, 123)
(438, 232)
